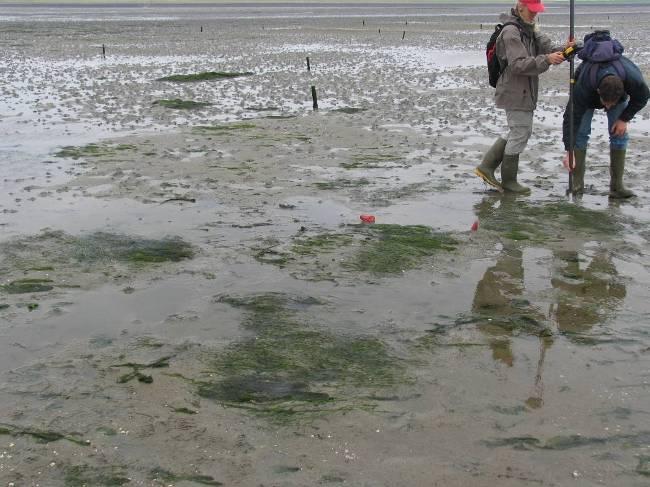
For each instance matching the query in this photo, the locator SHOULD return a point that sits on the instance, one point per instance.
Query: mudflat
(190, 297)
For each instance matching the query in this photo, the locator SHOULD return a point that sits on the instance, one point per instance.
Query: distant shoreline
(139, 3)
(352, 3)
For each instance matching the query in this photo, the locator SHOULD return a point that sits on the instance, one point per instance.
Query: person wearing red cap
(535, 6)
(525, 53)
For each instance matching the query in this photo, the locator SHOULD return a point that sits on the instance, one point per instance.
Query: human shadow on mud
(584, 287)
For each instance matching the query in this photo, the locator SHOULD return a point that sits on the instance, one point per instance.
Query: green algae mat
(290, 369)
(378, 249)
(46, 258)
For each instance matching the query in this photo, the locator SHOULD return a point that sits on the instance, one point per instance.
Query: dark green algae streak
(94, 150)
(86, 475)
(569, 442)
(41, 435)
(178, 104)
(171, 477)
(204, 76)
(28, 285)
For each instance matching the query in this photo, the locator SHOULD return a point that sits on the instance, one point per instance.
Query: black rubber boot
(509, 169)
(491, 160)
(616, 169)
(578, 177)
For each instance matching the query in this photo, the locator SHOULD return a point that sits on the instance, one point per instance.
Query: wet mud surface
(189, 296)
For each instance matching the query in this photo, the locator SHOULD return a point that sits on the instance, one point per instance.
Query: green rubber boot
(616, 169)
(578, 176)
(491, 160)
(509, 169)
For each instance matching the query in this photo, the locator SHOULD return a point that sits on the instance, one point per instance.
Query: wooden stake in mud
(403, 34)
(314, 97)
(103, 51)
(308, 65)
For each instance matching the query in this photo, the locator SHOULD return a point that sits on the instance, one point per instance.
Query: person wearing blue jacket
(619, 89)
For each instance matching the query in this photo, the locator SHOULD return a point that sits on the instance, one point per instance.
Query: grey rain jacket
(524, 56)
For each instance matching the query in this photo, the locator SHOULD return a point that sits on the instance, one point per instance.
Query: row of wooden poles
(313, 88)
(314, 96)
(363, 23)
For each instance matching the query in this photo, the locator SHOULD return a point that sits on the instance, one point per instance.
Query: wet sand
(190, 298)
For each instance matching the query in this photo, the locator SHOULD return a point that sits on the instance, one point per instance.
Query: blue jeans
(615, 141)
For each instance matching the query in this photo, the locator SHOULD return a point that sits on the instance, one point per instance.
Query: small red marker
(475, 226)
(367, 218)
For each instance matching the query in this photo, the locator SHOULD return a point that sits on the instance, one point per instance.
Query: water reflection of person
(585, 297)
(493, 299)
(499, 297)
(500, 303)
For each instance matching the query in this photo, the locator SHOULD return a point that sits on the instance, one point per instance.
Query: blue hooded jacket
(585, 96)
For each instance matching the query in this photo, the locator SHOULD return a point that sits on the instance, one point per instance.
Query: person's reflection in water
(493, 299)
(585, 297)
(587, 290)
(499, 301)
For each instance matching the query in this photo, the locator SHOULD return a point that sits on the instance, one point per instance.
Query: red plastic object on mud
(475, 226)
(367, 218)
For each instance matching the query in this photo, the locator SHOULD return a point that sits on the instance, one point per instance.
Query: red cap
(533, 5)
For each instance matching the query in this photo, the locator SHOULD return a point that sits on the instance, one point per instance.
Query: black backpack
(493, 64)
(600, 51)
